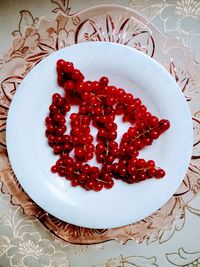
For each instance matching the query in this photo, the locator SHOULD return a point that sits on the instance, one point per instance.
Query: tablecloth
(24, 241)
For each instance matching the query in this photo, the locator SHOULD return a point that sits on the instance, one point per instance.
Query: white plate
(31, 157)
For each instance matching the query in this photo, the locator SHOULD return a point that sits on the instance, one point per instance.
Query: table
(24, 241)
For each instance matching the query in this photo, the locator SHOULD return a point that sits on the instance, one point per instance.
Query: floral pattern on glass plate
(113, 24)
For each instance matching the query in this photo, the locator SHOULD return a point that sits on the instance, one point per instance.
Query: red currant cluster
(99, 103)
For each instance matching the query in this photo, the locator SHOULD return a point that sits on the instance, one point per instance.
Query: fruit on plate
(99, 103)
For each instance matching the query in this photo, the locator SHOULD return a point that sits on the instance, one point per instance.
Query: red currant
(160, 173)
(54, 169)
(68, 67)
(99, 104)
(69, 85)
(109, 184)
(104, 81)
(164, 125)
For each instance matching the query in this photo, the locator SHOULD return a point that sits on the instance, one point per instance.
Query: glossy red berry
(160, 173)
(48, 120)
(122, 171)
(132, 169)
(68, 161)
(153, 121)
(76, 74)
(68, 67)
(61, 130)
(61, 172)
(58, 139)
(86, 168)
(78, 166)
(150, 164)
(50, 128)
(98, 186)
(79, 152)
(108, 167)
(115, 167)
(54, 169)
(51, 138)
(69, 85)
(141, 163)
(69, 170)
(80, 87)
(59, 64)
(110, 158)
(109, 184)
(141, 175)
(104, 81)
(89, 184)
(154, 134)
(86, 95)
(74, 183)
(60, 102)
(151, 172)
(132, 179)
(100, 158)
(66, 108)
(146, 141)
(96, 86)
(82, 178)
(57, 149)
(164, 125)
(53, 109)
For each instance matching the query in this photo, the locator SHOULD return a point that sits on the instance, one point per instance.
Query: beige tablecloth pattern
(23, 240)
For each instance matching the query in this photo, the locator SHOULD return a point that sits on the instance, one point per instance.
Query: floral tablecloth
(24, 241)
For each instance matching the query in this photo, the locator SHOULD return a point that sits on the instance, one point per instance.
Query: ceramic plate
(31, 157)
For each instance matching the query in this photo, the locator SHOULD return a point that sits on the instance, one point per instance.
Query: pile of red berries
(99, 103)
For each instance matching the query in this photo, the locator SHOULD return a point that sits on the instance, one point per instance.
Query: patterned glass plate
(114, 24)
